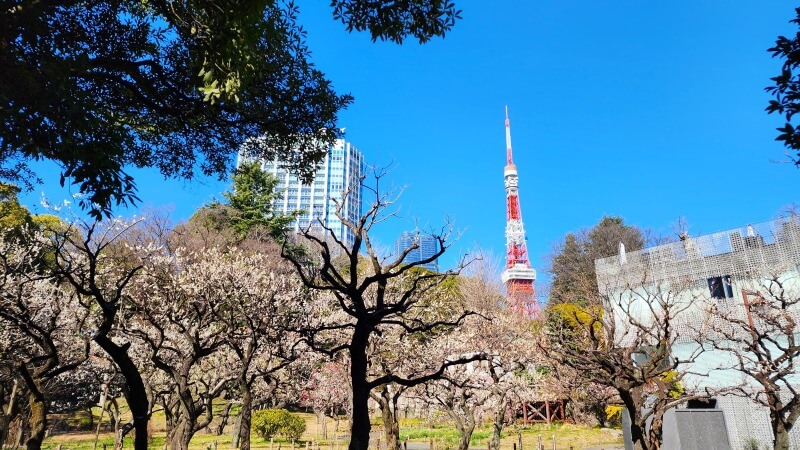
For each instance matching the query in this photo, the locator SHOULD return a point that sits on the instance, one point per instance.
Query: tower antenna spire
(509, 156)
(518, 276)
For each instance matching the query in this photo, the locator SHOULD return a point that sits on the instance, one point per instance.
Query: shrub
(614, 414)
(293, 427)
(266, 423)
(751, 444)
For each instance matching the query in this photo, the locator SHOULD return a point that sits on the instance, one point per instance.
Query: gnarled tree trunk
(359, 434)
(388, 405)
(637, 428)
(780, 432)
(245, 416)
(181, 433)
(37, 422)
(135, 392)
(497, 425)
(465, 427)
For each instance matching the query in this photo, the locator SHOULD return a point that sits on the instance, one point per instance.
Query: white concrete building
(724, 286)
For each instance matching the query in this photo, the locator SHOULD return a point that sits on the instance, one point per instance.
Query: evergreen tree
(251, 201)
(572, 263)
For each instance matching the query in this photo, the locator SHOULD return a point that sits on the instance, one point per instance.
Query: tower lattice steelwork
(518, 276)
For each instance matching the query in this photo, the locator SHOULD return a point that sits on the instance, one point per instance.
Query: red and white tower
(518, 276)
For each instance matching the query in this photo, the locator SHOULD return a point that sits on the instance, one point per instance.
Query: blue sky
(646, 110)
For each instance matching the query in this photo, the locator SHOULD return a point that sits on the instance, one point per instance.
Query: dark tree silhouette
(572, 261)
(377, 296)
(786, 89)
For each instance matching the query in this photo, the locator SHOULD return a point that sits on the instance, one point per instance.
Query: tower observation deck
(518, 276)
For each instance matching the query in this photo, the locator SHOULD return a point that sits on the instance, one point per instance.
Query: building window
(720, 287)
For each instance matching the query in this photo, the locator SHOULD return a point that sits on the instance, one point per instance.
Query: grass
(566, 436)
(448, 436)
(414, 430)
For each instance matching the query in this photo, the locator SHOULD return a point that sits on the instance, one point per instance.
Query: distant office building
(336, 174)
(428, 246)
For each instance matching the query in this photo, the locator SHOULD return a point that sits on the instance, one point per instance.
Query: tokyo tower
(518, 276)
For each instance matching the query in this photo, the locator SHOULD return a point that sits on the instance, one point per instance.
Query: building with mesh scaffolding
(723, 290)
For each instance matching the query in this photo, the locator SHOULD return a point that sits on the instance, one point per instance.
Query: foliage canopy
(786, 89)
(101, 86)
(572, 263)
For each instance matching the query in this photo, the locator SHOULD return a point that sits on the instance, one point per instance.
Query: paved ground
(423, 446)
(418, 446)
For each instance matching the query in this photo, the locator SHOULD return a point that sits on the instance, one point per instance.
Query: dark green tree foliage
(786, 90)
(99, 86)
(393, 21)
(572, 263)
(250, 202)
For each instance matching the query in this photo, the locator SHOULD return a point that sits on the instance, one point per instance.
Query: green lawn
(566, 435)
(444, 437)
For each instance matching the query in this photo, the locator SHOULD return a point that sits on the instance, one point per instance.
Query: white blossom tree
(42, 324)
(377, 296)
(98, 261)
(510, 356)
(629, 345)
(206, 320)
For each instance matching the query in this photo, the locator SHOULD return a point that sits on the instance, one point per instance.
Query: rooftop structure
(740, 251)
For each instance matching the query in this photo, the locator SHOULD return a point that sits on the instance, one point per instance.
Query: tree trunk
(654, 434)
(780, 434)
(135, 392)
(359, 432)
(637, 429)
(237, 428)
(37, 422)
(245, 414)
(223, 421)
(322, 420)
(7, 414)
(19, 432)
(465, 430)
(102, 404)
(114, 417)
(497, 426)
(391, 428)
(181, 434)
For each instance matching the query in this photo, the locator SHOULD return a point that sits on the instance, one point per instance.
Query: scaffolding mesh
(759, 248)
(723, 271)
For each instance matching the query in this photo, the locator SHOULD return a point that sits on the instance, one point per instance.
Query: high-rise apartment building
(427, 247)
(337, 179)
